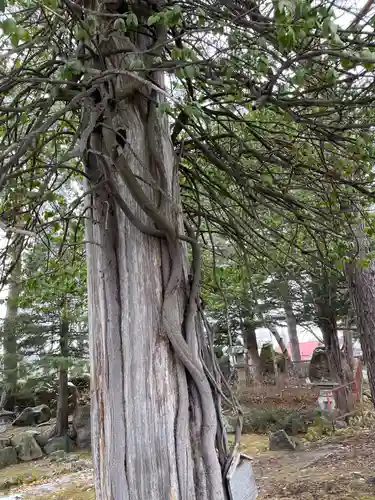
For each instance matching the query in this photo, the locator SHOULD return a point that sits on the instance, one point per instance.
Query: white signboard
(241, 479)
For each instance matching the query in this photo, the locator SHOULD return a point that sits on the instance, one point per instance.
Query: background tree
(9, 328)
(360, 275)
(52, 322)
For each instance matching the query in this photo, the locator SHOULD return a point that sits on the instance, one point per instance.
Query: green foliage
(270, 420)
(53, 291)
(171, 17)
(267, 357)
(321, 427)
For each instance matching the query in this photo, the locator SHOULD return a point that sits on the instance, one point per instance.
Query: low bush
(265, 420)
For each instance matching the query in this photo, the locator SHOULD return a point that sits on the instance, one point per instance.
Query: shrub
(293, 422)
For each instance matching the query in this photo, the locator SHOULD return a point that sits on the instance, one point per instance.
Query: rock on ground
(82, 426)
(31, 416)
(59, 443)
(7, 416)
(26, 446)
(280, 440)
(4, 443)
(57, 456)
(25, 418)
(8, 456)
(42, 439)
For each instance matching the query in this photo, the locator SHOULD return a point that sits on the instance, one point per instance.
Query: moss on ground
(72, 492)
(252, 444)
(24, 473)
(35, 472)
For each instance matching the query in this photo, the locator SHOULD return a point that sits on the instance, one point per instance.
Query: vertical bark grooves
(140, 391)
(108, 398)
(361, 283)
(252, 350)
(291, 324)
(280, 341)
(348, 340)
(326, 318)
(154, 418)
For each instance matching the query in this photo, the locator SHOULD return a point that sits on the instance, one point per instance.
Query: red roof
(306, 349)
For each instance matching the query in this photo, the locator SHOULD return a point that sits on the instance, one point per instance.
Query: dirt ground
(47, 480)
(340, 467)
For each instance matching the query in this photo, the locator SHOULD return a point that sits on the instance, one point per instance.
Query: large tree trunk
(154, 419)
(326, 319)
(273, 329)
(10, 324)
(62, 414)
(251, 345)
(361, 282)
(348, 340)
(339, 370)
(292, 325)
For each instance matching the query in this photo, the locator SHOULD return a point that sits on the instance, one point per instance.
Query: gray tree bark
(348, 340)
(273, 329)
(361, 282)
(291, 324)
(251, 345)
(9, 328)
(154, 421)
(62, 414)
(326, 318)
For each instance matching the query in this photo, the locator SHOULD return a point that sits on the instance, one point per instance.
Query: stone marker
(280, 440)
(241, 479)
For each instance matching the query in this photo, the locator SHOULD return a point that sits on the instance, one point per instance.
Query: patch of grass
(38, 471)
(23, 473)
(252, 444)
(85, 454)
